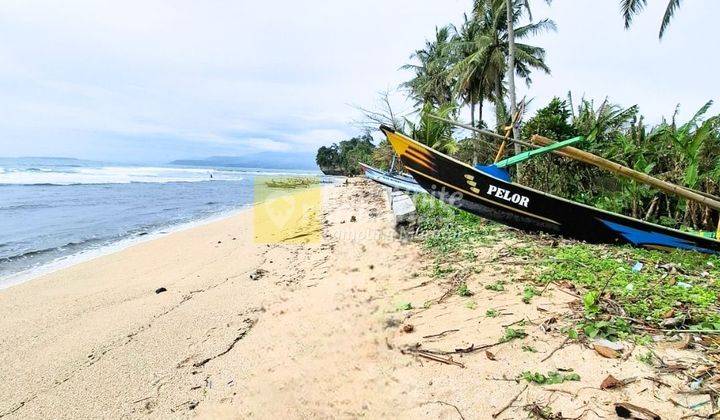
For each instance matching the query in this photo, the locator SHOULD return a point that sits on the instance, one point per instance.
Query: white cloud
(162, 79)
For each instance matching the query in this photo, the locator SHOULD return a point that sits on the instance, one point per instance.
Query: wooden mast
(644, 178)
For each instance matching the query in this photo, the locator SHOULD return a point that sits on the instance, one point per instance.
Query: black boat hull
(525, 208)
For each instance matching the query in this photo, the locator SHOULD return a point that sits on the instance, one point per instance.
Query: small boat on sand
(515, 205)
(393, 180)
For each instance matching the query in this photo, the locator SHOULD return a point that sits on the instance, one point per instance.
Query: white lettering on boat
(507, 195)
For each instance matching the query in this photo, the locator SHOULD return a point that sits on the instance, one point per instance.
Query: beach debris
(606, 352)
(249, 323)
(392, 322)
(426, 354)
(160, 290)
(441, 334)
(490, 355)
(353, 219)
(637, 267)
(258, 274)
(408, 328)
(545, 413)
(512, 400)
(612, 382)
(448, 404)
(631, 411)
(672, 322)
(556, 349)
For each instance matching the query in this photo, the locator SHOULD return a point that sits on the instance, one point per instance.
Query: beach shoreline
(340, 317)
(90, 254)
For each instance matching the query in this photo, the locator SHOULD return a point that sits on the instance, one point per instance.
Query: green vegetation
(466, 64)
(344, 158)
(680, 285)
(550, 378)
(529, 349)
(294, 182)
(631, 8)
(463, 290)
(404, 306)
(446, 229)
(471, 305)
(528, 293)
(672, 290)
(685, 153)
(498, 286)
(513, 334)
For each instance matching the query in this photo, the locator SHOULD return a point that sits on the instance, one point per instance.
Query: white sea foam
(122, 175)
(111, 248)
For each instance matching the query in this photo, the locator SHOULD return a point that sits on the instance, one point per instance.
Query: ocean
(54, 212)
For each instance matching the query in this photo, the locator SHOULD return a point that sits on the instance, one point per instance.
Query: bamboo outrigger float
(501, 200)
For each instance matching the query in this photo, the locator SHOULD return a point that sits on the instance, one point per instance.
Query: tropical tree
(433, 132)
(328, 158)
(631, 8)
(492, 47)
(430, 83)
(481, 47)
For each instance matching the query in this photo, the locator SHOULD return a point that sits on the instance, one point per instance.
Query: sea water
(63, 210)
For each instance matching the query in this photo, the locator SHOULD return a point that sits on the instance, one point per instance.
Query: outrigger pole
(602, 163)
(619, 169)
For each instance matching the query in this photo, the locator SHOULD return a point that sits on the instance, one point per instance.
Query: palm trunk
(499, 105)
(480, 107)
(511, 78)
(472, 113)
(474, 135)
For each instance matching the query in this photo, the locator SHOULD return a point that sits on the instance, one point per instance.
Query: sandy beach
(291, 329)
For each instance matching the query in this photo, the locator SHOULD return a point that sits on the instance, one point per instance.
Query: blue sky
(156, 80)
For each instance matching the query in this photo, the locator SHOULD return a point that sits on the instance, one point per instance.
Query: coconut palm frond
(672, 7)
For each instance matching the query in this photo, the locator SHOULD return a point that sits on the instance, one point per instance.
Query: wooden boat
(395, 181)
(515, 205)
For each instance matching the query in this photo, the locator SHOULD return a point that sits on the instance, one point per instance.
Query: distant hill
(264, 160)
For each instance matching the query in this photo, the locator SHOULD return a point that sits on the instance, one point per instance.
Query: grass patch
(446, 229)
(492, 313)
(292, 182)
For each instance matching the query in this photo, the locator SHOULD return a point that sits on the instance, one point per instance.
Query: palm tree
(491, 46)
(479, 54)
(432, 131)
(631, 8)
(430, 84)
(511, 11)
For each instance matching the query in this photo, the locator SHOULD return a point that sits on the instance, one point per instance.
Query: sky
(157, 80)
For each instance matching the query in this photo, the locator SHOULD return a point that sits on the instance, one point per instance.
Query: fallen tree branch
(448, 404)
(556, 349)
(440, 334)
(510, 402)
